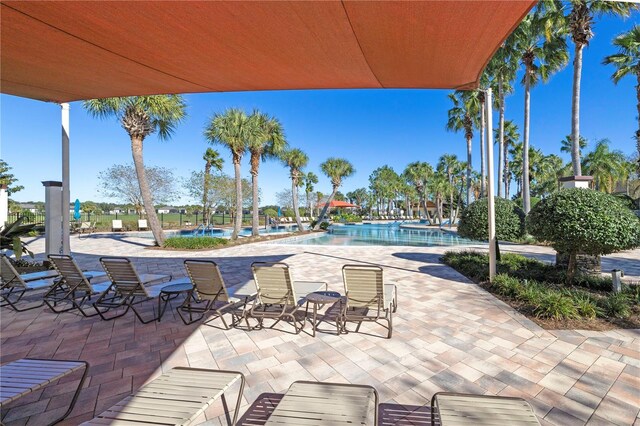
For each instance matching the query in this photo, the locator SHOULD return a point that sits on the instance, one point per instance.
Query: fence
(130, 221)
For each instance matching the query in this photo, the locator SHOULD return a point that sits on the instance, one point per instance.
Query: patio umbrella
(279, 212)
(76, 210)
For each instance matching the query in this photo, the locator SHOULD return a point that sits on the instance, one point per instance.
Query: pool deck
(449, 334)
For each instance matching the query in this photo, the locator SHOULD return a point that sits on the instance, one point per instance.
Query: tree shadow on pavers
(357, 260)
(123, 238)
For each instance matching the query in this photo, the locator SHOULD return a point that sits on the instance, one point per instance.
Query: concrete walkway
(449, 334)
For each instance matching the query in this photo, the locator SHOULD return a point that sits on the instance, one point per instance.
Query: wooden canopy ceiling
(64, 51)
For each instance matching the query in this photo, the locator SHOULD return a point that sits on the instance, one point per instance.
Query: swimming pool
(380, 235)
(219, 232)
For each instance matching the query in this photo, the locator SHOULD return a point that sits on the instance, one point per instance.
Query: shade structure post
(490, 184)
(66, 196)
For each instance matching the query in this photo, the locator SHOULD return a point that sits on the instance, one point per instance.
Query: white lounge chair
(116, 225)
(142, 225)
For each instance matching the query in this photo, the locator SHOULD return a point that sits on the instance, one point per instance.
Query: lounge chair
(86, 227)
(278, 296)
(142, 225)
(210, 290)
(116, 225)
(25, 376)
(13, 285)
(367, 297)
(74, 285)
(177, 397)
(467, 409)
(317, 403)
(128, 289)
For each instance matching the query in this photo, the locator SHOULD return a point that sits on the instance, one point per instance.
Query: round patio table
(321, 298)
(170, 292)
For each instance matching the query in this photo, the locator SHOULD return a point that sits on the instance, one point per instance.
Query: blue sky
(370, 128)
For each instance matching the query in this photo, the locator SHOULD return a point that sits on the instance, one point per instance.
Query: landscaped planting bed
(538, 290)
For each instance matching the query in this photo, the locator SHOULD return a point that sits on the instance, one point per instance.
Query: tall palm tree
(502, 71)
(211, 159)
(627, 62)
(417, 174)
(463, 117)
(543, 51)
(566, 146)
(439, 187)
(607, 167)
(266, 140)
(232, 129)
(141, 116)
(296, 160)
(510, 137)
(448, 163)
(310, 179)
(335, 169)
(581, 23)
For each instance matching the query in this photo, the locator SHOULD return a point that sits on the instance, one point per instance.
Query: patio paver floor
(449, 334)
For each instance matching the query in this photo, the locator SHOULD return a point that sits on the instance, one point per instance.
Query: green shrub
(194, 243)
(616, 305)
(555, 305)
(531, 292)
(509, 220)
(472, 264)
(506, 285)
(632, 292)
(324, 225)
(586, 305)
(584, 221)
(270, 212)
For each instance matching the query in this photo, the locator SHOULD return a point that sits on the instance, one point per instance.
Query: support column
(4, 204)
(490, 184)
(66, 196)
(53, 233)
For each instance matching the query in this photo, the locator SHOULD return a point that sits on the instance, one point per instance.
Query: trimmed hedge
(194, 243)
(509, 220)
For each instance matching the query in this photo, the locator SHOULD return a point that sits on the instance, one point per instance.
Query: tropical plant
(418, 174)
(266, 140)
(232, 129)
(627, 62)
(11, 235)
(510, 138)
(463, 117)
(439, 187)
(580, 22)
(385, 183)
(358, 196)
(8, 179)
(579, 220)
(607, 167)
(211, 159)
(296, 160)
(509, 220)
(335, 169)
(141, 116)
(310, 179)
(543, 50)
(449, 163)
(566, 145)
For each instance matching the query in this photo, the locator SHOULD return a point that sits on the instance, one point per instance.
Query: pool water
(381, 235)
(220, 232)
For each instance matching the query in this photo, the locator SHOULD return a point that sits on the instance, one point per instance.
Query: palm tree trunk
(145, 191)
(237, 224)
(255, 220)
(638, 115)
(526, 200)
(205, 194)
(483, 173)
(575, 111)
(294, 195)
(468, 171)
(451, 209)
(325, 208)
(501, 148)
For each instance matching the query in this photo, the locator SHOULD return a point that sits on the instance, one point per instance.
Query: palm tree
(448, 163)
(211, 159)
(607, 167)
(266, 140)
(502, 71)
(580, 22)
(335, 169)
(510, 137)
(358, 196)
(296, 160)
(439, 187)
(310, 179)
(319, 197)
(543, 50)
(417, 174)
(232, 129)
(141, 116)
(463, 116)
(566, 146)
(627, 62)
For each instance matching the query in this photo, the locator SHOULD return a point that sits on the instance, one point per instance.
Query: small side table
(170, 292)
(321, 298)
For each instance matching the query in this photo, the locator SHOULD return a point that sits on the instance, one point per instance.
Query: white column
(66, 196)
(490, 185)
(4, 204)
(53, 240)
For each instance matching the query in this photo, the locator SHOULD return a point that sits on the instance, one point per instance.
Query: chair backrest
(70, 272)
(123, 275)
(85, 225)
(8, 274)
(116, 224)
(142, 223)
(364, 286)
(207, 279)
(274, 284)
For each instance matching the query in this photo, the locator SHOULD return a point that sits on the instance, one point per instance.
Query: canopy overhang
(65, 51)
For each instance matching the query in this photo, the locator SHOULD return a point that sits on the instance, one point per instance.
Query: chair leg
(390, 321)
